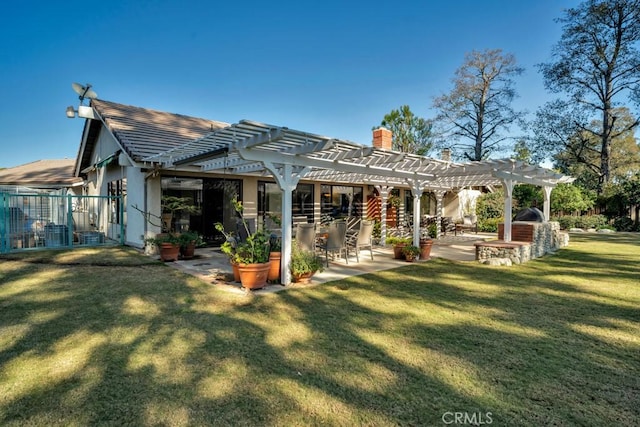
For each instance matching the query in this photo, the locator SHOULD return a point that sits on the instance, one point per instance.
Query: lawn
(110, 337)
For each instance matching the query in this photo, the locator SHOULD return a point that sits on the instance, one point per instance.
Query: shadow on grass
(143, 344)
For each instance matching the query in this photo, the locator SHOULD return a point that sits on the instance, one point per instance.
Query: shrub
(489, 225)
(623, 223)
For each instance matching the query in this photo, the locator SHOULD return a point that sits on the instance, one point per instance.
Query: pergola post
(417, 187)
(508, 198)
(383, 191)
(547, 202)
(439, 211)
(287, 177)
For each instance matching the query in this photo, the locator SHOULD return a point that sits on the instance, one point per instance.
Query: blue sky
(333, 68)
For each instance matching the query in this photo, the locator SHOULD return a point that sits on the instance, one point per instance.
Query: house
(141, 155)
(42, 176)
(29, 201)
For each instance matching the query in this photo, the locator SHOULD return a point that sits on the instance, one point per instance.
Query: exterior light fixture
(83, 110)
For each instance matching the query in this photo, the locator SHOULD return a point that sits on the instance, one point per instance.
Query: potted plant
(410, 252)
(398, 243)
(304, 264)
(425, 246)
(189, 240)
(250, 255)
(168, 245)
(275, 246)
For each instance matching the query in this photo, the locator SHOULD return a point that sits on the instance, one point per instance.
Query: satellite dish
(84, 91)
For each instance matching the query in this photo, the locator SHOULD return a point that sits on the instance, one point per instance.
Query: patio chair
(362, 239)
(306, 236)
(336, 241)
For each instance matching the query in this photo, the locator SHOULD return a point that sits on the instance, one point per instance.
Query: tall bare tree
(411, 134)
(596, 63)
(479, 106)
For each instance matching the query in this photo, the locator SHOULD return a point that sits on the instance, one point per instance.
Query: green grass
(109, 337)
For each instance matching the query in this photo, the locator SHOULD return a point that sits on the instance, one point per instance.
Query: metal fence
(44, 221)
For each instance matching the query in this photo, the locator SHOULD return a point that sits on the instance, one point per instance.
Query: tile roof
(41, 173)
(143, 132)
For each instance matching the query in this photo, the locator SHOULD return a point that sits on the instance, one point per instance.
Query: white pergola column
(383, 191)
(287, 177)
(439, 211)
(417, 187)
(508, 202)
(547, 202)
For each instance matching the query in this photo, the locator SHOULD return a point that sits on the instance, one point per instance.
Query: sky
(332, 68)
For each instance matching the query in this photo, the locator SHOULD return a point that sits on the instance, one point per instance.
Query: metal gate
(45, 221)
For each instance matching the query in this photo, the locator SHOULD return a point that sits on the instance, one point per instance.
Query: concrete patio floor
(213, 267)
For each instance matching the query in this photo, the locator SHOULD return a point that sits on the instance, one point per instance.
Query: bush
(587, 221)
(489, 225)
(623, 223)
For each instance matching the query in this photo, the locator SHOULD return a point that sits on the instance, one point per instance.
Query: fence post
(69, 220)
(4, 236)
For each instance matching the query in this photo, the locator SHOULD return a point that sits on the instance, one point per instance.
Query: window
(341, 201)
(270, 200)
(117, 192)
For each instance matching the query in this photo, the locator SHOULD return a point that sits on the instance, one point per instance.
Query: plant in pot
(189, 240)
(168, 245)
(425, 246)
(410, 252)
(304, 264)
(251, 255)
(398, 243)
(275, 246)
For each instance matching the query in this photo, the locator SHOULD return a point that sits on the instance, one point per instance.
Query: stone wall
(535, 240)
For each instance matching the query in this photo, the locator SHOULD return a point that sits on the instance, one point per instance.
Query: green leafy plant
(253, 250)
(161, 238)
(304, 262)
(395, 240)
(411, 251)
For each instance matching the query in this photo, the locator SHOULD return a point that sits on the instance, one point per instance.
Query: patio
(213, 267)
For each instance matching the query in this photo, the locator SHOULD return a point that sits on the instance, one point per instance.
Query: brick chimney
(382, 138)
(446, 154)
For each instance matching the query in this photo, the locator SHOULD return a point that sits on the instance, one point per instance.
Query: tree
(597, 62)
(411, 134)
(567, 198)
(479, 106)
(576, 151)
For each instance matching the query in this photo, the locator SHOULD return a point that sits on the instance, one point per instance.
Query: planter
(274, 270)
(303, 278)
(254, 276)
(188, 251)
(169, 251)
(410, 257)
(425, 249)
(236, 272)
(397, 250)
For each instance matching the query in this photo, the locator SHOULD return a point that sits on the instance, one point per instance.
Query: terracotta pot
(302, 278)
(274, 270)
(188, 251)
(236, 272)
(425, 249)
(410, 257)
(169, 251)
(254, 276)
(397, 250)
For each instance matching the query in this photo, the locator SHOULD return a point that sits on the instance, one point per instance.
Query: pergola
(251, 148)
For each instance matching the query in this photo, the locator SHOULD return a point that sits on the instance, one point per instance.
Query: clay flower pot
(254, 276)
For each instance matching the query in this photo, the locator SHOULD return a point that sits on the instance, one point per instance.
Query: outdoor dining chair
(362, 239)
(306, 236)
(336, 241)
